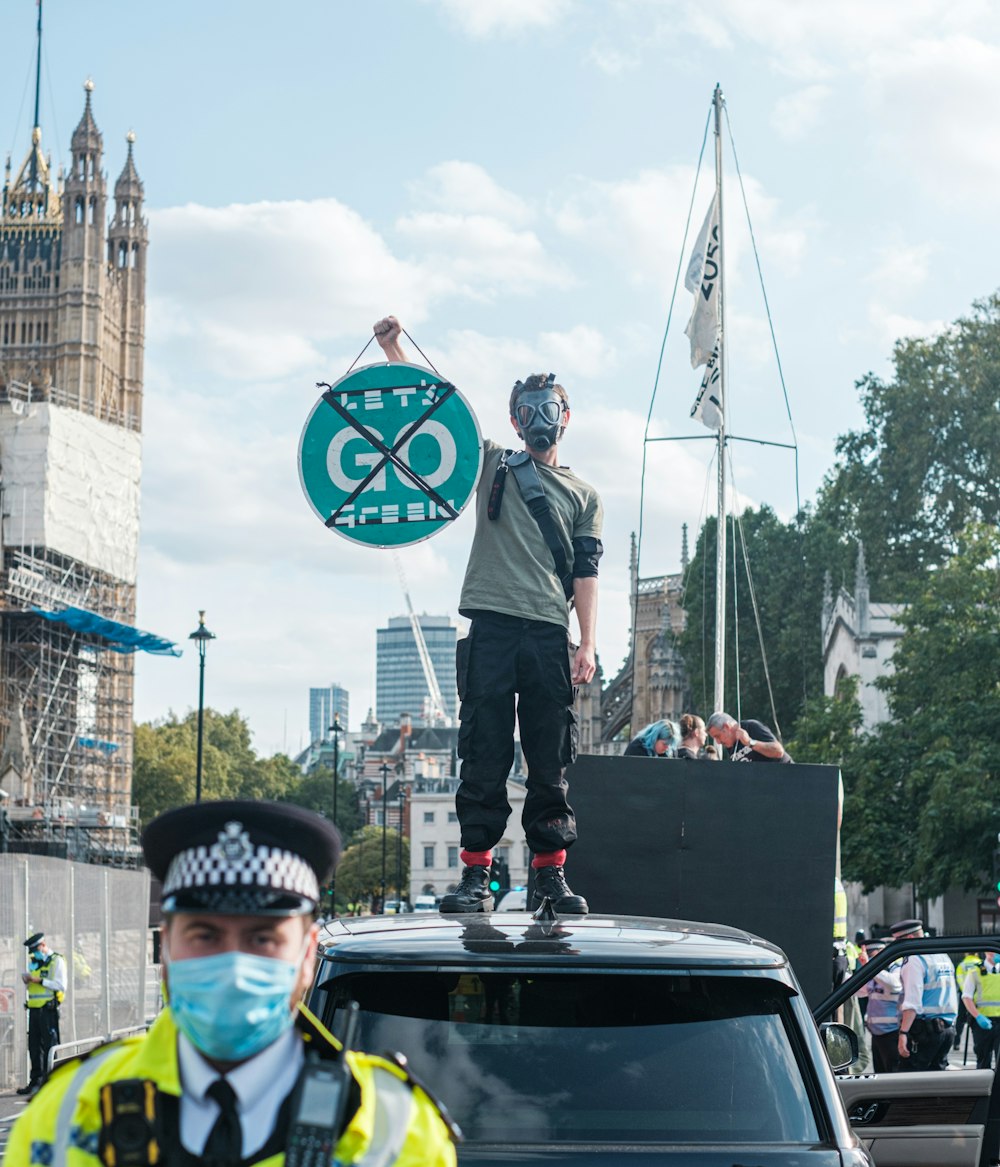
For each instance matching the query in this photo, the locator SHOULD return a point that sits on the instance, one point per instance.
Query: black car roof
(515, 939)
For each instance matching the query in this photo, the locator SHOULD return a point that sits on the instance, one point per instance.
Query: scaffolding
(65, 710)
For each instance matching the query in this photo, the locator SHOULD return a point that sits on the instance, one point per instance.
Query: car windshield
(539, 1058)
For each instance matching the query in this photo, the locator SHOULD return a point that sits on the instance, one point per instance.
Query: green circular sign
(390, 455)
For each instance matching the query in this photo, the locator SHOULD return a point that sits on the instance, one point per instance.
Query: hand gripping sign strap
(530, 485)
(391, 454)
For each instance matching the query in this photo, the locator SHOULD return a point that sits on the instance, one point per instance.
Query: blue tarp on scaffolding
(117, 637)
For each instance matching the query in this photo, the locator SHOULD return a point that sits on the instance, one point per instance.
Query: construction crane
(435, 712)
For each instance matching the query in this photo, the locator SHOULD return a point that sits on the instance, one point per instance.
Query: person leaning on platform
(516, 594)
(747, 741)
(234, 1069)
(46, 982)
(692, 744)
(660, 739)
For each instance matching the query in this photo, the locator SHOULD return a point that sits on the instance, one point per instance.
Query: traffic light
(499, 876)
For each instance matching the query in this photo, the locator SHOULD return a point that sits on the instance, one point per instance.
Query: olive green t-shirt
(510, 566)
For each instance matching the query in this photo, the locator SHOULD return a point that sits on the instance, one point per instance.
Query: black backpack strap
(533, 493)
(496, 490)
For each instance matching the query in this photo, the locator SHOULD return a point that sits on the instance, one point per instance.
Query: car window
(640, 1058)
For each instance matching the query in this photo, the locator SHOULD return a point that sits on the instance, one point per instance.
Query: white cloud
(466, 188)
(481, 255)
(484, 18)
(611, 60)
(796, 114)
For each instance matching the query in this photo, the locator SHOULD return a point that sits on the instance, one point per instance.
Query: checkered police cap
(241, 857)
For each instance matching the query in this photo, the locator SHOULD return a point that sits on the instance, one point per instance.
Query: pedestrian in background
(881, 995)
(46, 984)
(981, 998)
(970, 961)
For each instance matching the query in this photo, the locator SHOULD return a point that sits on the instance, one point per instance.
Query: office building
(400, 683)
(323, 704)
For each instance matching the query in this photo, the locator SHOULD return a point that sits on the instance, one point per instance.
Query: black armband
(587, 552)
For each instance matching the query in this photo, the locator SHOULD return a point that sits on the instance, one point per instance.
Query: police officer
(882, 1012)
(928, 1005)
(981, 997)
(46, 983)
(234, 1070)
(970, 961)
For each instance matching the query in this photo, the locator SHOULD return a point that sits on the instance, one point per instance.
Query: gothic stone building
(72, 305)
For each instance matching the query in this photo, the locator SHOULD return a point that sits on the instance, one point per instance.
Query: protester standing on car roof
(234, 1069)
(747, 741)
(981, 997)
(882, 995)
(927, 1007)
(531, 554)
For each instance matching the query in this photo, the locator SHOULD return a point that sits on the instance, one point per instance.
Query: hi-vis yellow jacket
(396, 1123)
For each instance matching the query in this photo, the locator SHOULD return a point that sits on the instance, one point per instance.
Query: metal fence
(97, 918)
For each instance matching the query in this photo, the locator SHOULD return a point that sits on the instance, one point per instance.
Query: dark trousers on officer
(502, 659)
(885, 1052)
(43, 1034)
(931, 1038)
(985, 1042)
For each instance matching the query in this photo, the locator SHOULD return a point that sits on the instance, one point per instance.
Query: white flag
(707, 406)
(702, 279)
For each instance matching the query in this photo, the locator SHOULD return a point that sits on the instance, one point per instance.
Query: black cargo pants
(504, 656)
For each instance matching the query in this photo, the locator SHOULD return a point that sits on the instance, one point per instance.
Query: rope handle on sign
(430, 364)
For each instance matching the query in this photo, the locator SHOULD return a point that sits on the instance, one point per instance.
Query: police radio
(128, 1135)
(319, 1105)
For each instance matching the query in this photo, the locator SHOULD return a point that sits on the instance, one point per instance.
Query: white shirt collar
(261, 1085)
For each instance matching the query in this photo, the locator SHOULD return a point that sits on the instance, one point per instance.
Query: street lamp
(399, 848)
(336, 729)
(201, 636)
(384, 770)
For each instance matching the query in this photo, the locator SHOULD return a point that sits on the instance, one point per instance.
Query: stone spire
(861, 597)
(129, 185)
(684, 547)
(827, 602)
(87, 137)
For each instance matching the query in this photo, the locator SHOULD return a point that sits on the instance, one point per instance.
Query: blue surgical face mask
(232, 1005)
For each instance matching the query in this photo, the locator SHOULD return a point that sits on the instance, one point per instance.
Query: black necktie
(225, 1140)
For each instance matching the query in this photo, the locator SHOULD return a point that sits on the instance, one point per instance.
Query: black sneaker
(29, 1089)
(551, 885)
(472, 893)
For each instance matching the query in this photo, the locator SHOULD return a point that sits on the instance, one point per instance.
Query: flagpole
(720, 532)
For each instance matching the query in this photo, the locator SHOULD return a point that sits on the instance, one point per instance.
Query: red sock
(477, 858)
(549, 859)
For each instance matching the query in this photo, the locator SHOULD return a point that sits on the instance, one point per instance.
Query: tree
(928, 460)
(788, 562)
(314, 791)
(359, 876)
(925, 806)
(165, 763)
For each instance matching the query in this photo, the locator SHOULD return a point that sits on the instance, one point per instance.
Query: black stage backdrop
(752, 845)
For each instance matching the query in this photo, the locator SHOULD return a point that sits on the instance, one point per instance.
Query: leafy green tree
(165, 763)
(827, 729)
(314, 791)
(788, 562)
(359, 876)
(928, 460)
(925, 805)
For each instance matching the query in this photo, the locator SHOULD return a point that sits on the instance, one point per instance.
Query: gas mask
(539, 415)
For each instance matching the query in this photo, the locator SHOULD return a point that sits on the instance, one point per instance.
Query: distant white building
(435, 863)
(859, 638)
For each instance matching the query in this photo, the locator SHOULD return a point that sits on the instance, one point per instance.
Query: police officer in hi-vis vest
(928, 1005)
(235, 1070)
(981, 996)
(46, 983)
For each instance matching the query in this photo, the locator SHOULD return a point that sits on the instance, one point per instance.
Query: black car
(592, 1038)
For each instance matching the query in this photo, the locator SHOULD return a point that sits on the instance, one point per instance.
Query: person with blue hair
(659, 739)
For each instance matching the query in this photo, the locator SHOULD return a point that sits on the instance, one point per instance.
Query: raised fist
(387, 331)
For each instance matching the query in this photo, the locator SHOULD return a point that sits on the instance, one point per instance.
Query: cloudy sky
(511, 178)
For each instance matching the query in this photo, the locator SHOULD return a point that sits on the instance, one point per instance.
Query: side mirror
(841, 1044)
